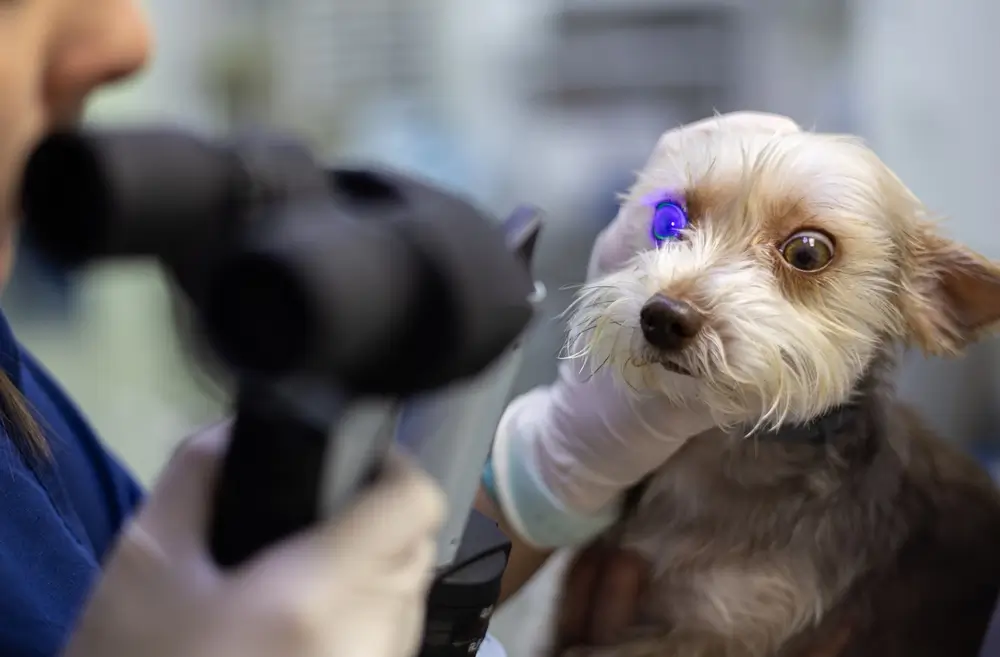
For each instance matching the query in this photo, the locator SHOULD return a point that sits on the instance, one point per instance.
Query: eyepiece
(381, 281)
(142, 193)
(66, 196)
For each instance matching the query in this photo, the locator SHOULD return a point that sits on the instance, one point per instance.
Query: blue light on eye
(669, 219)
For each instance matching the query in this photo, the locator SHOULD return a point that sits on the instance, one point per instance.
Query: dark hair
(20, 423)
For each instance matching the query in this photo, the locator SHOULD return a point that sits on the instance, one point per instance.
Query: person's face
(53, 54)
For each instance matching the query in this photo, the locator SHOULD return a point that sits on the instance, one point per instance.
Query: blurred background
(546, 101)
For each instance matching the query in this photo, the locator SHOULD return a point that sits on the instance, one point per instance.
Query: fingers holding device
(354, 585)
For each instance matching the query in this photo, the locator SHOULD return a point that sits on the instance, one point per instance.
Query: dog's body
(862, 533)
(822, 520)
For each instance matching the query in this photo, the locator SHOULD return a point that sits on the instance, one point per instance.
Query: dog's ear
(951, 294)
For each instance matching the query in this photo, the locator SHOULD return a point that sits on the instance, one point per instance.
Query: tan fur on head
(778, 344)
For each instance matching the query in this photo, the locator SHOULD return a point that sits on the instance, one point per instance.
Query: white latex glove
(353, 587)
(564, 454)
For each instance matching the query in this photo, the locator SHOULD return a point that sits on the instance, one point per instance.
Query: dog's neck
(859, 437)
(852, 423)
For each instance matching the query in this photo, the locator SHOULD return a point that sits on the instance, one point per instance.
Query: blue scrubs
(57, 519)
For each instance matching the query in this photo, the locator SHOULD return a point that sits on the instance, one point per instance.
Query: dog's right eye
(669, 219)
(808, 250)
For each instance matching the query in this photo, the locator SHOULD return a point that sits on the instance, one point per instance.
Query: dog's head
(760, 268)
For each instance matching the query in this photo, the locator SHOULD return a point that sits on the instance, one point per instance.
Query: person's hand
(354, 586)
(600, 596)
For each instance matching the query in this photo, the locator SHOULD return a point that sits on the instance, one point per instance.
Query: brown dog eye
(808, 251)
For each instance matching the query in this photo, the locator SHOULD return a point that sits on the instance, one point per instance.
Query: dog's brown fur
(852, 532)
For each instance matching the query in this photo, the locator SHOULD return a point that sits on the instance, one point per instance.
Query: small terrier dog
(771, 275)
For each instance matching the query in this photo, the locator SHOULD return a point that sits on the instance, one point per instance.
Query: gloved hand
(564, 454)
(354, 586)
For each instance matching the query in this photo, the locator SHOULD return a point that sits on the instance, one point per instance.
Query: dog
(774, 275)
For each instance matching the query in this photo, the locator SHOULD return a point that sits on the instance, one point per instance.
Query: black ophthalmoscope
(355, 307)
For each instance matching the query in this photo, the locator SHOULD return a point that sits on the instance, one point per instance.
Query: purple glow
(669, 216)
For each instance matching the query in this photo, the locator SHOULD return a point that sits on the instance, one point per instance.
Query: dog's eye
(669, 219)
(808, 251)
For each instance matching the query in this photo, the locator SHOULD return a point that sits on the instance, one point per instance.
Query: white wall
(170, 87)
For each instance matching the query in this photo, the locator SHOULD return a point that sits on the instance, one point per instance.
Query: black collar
(832, 424)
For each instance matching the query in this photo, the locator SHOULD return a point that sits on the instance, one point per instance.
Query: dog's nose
(669, 324)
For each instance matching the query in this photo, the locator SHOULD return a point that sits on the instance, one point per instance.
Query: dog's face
(760, 268)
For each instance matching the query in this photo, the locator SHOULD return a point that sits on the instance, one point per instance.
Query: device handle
(270, 475)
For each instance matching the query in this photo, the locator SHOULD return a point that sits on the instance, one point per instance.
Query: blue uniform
(57, 519)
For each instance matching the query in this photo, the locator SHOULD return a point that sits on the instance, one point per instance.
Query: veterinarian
(355, 587)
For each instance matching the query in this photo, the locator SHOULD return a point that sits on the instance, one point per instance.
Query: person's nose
(106, 41)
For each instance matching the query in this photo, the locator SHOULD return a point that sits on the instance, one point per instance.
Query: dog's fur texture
(821, 518)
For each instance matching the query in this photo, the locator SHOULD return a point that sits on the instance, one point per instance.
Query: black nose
(669, 324)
